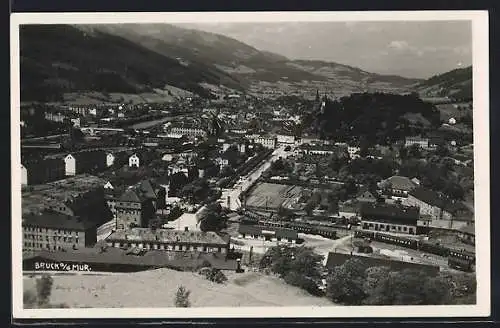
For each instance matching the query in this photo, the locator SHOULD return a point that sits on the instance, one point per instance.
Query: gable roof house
(397, 186)
(366, 196)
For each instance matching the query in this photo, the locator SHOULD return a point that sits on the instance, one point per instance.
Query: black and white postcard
(271, 164)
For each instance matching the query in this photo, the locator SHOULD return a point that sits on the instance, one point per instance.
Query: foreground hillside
(58, 59)
(157, 289)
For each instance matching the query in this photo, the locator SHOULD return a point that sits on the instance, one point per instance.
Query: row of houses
(53, 168)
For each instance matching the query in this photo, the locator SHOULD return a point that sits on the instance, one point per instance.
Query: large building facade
(389, 218)
(57, 232)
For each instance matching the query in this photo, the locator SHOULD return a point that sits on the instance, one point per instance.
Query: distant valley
(155, 62)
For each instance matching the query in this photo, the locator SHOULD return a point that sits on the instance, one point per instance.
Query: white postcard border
(481, 166)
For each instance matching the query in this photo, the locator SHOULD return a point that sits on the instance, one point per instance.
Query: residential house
(24, 175)
(53, 231)
(108, 185)
(438, 211)
(429, 202)
(134, 160)
(366, 196)
(417, 140)
(55, 116)
(389, 218)
(353, 151)
(267, 142)
(87, 161)
(285, 139)
(110, 159)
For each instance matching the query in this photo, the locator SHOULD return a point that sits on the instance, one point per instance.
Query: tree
(309, 207)
(212, 219)
(182, 297)
(345, 284)
(442, 150)
(44, 289)
(77, 135)
(454, 190)
(410, 287)
(29, 299)
(284, 259)
(177, 181)
(403, 152)
(414, 151)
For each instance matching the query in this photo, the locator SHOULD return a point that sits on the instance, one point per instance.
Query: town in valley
(164, 166)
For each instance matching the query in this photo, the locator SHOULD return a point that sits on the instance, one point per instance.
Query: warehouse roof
(167, 236)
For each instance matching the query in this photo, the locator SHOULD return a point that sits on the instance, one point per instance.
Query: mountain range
(162, 59)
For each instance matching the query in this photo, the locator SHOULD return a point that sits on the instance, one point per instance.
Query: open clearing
(273, 195)
(157, 288)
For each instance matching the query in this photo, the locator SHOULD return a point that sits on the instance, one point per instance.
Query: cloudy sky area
(411, 49)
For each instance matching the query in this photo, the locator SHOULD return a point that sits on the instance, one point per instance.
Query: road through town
(230, 197)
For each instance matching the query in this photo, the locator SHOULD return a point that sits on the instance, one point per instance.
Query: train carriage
(462, 260)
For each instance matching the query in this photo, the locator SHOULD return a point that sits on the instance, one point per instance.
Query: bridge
(93, 131)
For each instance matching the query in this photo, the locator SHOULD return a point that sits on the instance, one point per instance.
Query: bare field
(157, 288)
(272, 195)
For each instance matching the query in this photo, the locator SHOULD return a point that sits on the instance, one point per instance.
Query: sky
(411, 49)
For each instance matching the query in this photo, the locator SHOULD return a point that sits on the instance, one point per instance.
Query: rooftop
(39, 197)
(167, 236)
(399, 182)
(152, 258)
(337, 259)
(390, 210)
(53, 220)
(428, 196)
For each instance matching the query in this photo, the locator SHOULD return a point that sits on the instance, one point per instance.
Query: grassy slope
(157, 289)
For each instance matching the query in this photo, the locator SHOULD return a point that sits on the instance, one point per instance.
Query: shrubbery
(214, 275)
(298, 266)
(353, 283)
